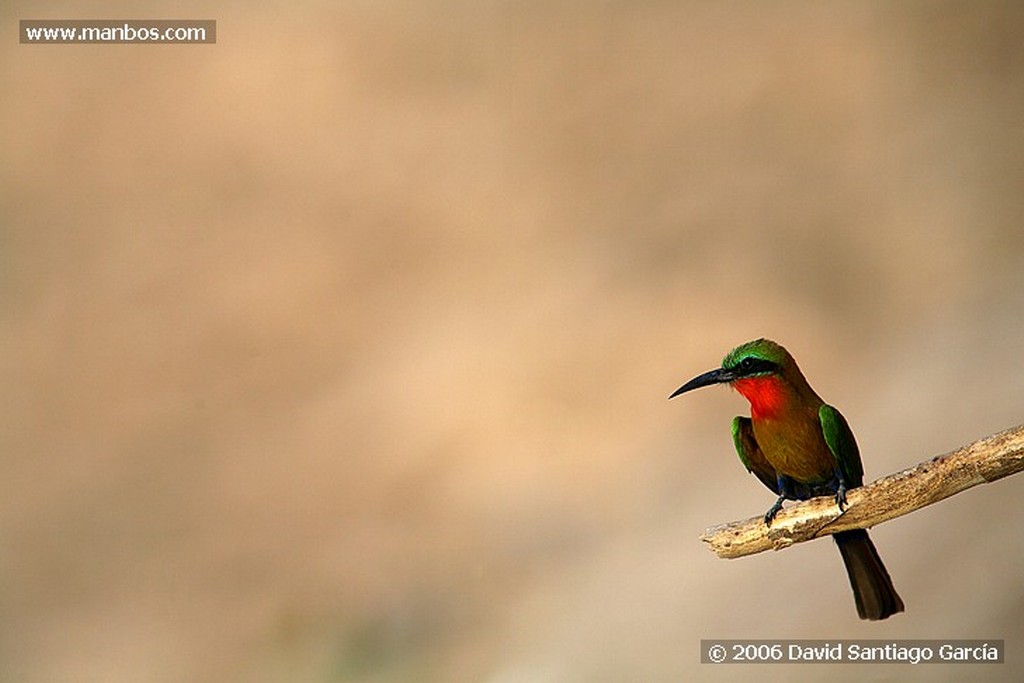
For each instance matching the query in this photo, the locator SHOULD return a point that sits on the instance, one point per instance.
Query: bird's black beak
(716, 376)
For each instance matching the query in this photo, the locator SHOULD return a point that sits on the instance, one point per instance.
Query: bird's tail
(872, 588)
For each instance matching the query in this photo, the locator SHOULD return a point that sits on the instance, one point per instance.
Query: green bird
(800, 447)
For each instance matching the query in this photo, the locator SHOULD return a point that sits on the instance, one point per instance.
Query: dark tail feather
(872, 587)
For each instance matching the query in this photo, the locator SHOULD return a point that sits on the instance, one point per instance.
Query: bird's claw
(772, 511)
(841, 497)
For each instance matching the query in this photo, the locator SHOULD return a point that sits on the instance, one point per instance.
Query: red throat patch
(764, 393)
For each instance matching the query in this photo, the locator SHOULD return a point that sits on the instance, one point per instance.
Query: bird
(801, 447)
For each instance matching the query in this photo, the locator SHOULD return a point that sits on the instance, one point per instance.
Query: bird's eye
(747, 363)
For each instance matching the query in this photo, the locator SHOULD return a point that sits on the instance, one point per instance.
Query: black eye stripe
(754, 366)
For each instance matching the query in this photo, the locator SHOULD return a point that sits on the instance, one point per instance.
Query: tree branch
(983, 461)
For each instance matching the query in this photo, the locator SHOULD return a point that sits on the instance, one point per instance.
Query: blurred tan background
(339, 350)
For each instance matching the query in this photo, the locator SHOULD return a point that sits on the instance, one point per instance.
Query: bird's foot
(773, 510)
(841, 496)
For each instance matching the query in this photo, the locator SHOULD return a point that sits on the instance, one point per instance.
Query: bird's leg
(840, 490)
(773, 510)
(785, 493)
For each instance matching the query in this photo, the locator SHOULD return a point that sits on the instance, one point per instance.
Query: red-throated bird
(801, 447)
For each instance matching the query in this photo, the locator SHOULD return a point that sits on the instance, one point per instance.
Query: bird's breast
(796, 448)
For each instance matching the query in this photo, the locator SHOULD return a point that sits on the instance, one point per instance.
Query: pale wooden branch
(983, 461)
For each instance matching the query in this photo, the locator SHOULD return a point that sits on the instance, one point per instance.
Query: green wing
(750, 453)
(840, 441)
